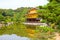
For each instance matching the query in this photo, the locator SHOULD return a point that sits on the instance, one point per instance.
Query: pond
(24, 32)
(17, 32)
(12, 37)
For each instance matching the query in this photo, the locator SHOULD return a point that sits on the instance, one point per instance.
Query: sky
(13, 4)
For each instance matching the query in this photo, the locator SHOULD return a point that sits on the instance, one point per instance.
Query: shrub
(46, 29)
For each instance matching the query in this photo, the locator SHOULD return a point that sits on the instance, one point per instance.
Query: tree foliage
(51, 12)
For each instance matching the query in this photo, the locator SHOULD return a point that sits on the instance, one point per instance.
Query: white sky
(13, 4)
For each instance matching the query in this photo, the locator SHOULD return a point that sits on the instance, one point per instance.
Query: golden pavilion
(32, 18)
(32, 15)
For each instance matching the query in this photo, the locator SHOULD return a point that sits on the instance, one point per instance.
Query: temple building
(33, 19)
(32, 15)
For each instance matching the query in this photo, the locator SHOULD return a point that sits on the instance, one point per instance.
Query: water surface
(12, 37)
